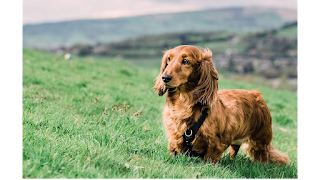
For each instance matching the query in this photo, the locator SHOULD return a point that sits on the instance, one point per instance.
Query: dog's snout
(166, 78)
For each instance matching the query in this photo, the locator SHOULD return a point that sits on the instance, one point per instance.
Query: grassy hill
(53, 35)
(151, 46)
(270, 54)
(87, 118)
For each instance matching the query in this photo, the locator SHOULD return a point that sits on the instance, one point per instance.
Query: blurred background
(252, 41)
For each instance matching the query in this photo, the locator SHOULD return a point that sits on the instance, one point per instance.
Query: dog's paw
(210, 161)
(230, 155)
(173, 153)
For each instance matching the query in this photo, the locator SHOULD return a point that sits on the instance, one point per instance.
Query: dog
(202, 121)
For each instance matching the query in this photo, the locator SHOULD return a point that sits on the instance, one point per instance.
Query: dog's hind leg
(258, 152)
(233, 150)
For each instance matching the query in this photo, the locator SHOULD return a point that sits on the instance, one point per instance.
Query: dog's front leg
(173, 147)
(215, 150)
(212, 155)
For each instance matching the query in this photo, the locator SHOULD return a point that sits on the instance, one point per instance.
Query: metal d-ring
(188, 135)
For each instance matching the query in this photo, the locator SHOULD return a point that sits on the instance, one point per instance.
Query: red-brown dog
(217, 119)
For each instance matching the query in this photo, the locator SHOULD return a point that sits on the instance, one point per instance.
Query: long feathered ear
(206, 90)
(159, 85)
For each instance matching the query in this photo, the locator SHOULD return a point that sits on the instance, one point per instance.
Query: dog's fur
(234, 116)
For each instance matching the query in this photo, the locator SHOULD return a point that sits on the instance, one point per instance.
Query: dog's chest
(175, 131)
(198, 147)
(177, 122)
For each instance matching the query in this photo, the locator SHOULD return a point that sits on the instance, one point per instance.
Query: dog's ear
(206, 90)
(159, 84)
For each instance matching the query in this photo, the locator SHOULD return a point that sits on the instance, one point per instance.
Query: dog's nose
(166, 78)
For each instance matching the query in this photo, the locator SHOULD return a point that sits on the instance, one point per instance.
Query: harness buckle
(188, 135)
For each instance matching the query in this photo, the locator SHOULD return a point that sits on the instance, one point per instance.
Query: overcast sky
(38, 11)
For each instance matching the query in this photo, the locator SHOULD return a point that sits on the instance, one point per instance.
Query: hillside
(151, 46)
(53, 35)
(87, 118)
(271, 54)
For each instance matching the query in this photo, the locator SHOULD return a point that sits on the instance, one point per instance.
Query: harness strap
(190, 133)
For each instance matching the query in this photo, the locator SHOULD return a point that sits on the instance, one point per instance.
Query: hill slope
(101, 119)
(151, 46)
(52, 35)
(271, 54)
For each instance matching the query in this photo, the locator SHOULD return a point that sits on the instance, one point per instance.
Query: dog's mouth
(170, 88)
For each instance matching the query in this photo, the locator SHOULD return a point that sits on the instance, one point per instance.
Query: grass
(87, 118)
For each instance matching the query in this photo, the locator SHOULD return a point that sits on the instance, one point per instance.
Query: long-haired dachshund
(201, 120)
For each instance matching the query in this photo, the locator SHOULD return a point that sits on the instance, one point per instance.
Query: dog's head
(188, 66)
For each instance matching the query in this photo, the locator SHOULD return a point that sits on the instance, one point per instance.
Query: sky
(39, 11)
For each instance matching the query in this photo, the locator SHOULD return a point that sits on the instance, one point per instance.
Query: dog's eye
(185, 62)
(168, 60)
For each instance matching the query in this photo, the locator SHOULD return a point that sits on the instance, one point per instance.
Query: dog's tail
(274, 156)
(277, 157)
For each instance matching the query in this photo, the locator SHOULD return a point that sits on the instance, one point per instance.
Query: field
(89, 118)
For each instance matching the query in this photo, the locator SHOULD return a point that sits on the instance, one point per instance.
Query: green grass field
(87, 118)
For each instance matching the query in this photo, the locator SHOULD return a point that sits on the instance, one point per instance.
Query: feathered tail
(274, 156)
(277, 156)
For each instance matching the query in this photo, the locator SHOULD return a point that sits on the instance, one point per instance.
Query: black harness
(190, 133)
